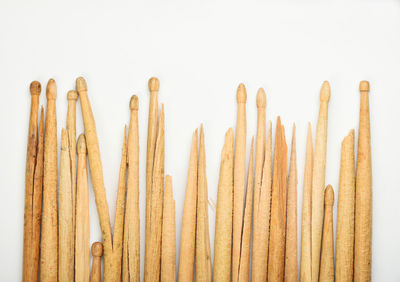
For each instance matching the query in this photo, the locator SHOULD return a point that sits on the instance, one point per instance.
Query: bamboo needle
(327, 263)
(239, 178)
(363, 222)
(82, 231)
(345, 214)
(203, 256)
(72, 96)
(244, 264)
(29, 265)
(223, 220)
(276, 256)
(188, 232)
(291, 273)
(154, 86)
(305, 261)
(168, 253)
(318, 182)
(65, 211)
(49, 239)
(97, 252)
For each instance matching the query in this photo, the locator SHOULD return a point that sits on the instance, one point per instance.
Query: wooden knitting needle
(154, 86)
(65, 211)
(203, 256)
(72, 96)
(82, 231)
(223, 220)
(291, 273)
(96, 170)
(345, 214)
(244, 264)
(260, 254)
(49, 239)
(305, 261)
(276, 256)
(363, 222)
(97, 252)
(260, 155)
(239, 178)
(318, 182)
(326, 272)
(168, 253)
(31, 153)
(188, 232)
(156, 204)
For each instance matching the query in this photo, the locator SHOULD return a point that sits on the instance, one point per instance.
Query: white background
(201, 51)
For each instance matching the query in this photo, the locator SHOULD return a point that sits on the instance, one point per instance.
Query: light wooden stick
(345, 214)
(72, 96)
(29, 265)
(260, 254)
(318, 182)
(168, 253)
(258, 229)
(327, 263)
(305, 261)
(132, 226)
(203, 256)
(223, 220)
(188, 232)
(49, 239)
(239, 178)
(291, 272)
(65, 227)
(96, 172)
(154, 86)
(82, 231)
(276, 256)
(363, 222)
(97, 252)
(244, 264)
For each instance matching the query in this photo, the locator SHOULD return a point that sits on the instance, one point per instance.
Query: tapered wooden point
(81, 148)
(241, 95)
(261, 98)
(349, 136)
(325, 93)
(81, 84)
(229, 133)
(329, 196)
(134, 103)
(51, 90)
(97, 249)
(72, 95)
(35, 88)
(154, 84)
(364, 86)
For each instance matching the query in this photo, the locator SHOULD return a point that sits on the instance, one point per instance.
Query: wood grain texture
(291, 269)
(326, 273)
(318, 182)
(168, 242)
(82, 230)
(49, 239)
(239, 170)
(188, 232)
(305, 257)
(203, 252)
(65, 211)
(97, 252)
(363, 222)
(276, 255)
(345, 213)
(223, 220)
(29, 267)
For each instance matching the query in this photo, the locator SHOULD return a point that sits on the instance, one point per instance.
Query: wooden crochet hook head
(35, 88)
(51, 90)
(325, 93)
(241, 94)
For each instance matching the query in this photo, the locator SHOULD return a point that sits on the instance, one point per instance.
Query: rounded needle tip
(81, 147)
(325, 93)
(81, 84)
(329, 196)
(134, 103)
(364, 86)
(241, 94)
(35, 88)
(261, 98)
(154, 84)
(97, 249)
(51, 90)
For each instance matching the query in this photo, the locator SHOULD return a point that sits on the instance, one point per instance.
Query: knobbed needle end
(154, 84)
(364, 86)
(81, 84)
(35, 88)
(97, 249)
(72, 95)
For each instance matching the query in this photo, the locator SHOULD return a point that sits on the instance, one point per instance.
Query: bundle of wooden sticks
(261, 209)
